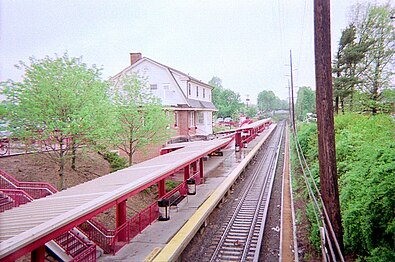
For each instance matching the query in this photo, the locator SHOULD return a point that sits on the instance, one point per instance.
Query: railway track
(241, 235)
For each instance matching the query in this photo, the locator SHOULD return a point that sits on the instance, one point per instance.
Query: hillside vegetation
(366, 168)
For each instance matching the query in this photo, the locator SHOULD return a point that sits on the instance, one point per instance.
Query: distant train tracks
(240, 237)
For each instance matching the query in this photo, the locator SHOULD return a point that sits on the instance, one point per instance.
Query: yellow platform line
(153, 254)
(181, 239)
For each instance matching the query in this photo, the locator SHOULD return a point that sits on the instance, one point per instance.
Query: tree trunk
(130, 158)
(131, 147)
(352, 90)
(337, 105)
(342, 104)
(62, 162)
(374, 108)
(74, 153)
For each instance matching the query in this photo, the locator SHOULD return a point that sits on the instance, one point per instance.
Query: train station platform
(145, 246)
(30, 226)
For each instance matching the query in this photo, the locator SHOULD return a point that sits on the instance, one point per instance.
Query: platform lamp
(191, 186)
(164, 209)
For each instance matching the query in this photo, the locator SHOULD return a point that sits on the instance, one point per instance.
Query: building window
(197, 91)
(200, 118)
(153, 87)
(176, 119)
(189, 89)
(166, 91)
(204, 93)
(192, 119)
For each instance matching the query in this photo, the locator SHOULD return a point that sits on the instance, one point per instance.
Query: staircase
(5, 202)
(70, 246)
(10, 198)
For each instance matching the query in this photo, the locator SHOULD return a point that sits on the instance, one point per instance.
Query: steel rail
(275, 163)
(236, 214)
(240, 238)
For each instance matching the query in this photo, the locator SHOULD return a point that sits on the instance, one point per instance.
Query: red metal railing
(72, 243)
(180, 188)
(88, 255)
(111, 241)
(15, 197)
(140, 221)
(34, 189)
(5, 202)
(18, 192)
(133, 227)
(98, 234)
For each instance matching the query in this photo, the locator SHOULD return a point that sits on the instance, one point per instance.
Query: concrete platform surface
(157, 235)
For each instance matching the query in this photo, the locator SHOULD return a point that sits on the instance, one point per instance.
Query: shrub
(116, 162)
(365, 153)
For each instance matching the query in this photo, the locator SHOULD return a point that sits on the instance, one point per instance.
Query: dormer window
(204, 93)
(197, 91)
(189, 89)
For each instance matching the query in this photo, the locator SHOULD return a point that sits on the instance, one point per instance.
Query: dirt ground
(39, 167)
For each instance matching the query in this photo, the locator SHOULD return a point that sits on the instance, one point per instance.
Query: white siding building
(186, 97)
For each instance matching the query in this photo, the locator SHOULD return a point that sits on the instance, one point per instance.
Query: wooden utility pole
(292, 93)
(325, 121)
(289, 103)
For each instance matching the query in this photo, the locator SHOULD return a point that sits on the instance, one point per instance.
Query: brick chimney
(134, 57)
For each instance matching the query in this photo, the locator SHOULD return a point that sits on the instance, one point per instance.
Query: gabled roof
(172, 71)
(192, 103)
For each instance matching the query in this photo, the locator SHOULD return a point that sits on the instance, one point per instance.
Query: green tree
(366, 166)
(365, 156)
(215, 82)
(2, 111)
(58, 99)
(251, 111)
(227, 101)
(305, 102)
(349, 54)
(281, 104)
(141, 120)
(374, 27)
(266, 101)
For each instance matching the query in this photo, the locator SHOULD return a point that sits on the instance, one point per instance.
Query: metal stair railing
(94, 230)
(34, 189)
(70, 242)
(5, 202)
(15, 197)
(98, 233)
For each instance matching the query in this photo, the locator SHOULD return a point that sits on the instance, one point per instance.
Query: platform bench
(175, 199)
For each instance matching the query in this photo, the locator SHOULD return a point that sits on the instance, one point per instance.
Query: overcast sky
(246, 43)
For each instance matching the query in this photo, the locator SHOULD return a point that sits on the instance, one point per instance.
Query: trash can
(237, 148)
(191, 186)
(164, 209)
